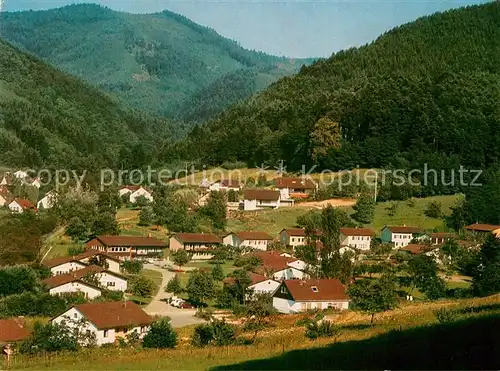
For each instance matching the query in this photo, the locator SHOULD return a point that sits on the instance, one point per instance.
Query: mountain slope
(154, 62)
(426, 90)
(48, 118)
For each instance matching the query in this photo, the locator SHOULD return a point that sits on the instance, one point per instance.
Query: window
(105, 333)
(110, 283)
(283, 289)
(88, 332)
(314, 288)
(143, 329)
(75, 315)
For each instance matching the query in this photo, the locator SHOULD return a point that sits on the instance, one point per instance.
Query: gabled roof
(416, 248)
(130, 241)
(295, 232)
(12, 330)
(294, 183)
(198, 238)
(257, 278)
(261, 194)
(357, 232)
(442, 235)
(77, 258)
(326, 290)
(25, 204)
(230, 183)
(252, 235)
(272, 260)
(77, 275)
(114, 314)
(404, 229)
(478, 227)
(63, 279)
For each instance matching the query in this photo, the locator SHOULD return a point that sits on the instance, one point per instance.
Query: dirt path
(158, 307)
(335, 202)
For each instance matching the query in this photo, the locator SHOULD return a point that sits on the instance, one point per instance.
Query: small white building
(108, 321)
(20, 174)
(19, 205)
(293, 237)
(400, 236)
(37, 182)
(299, 187)
(294, 296)
(68, 264)
(66, 283)
(48, 201)
(359, 238)
(259, 199)
(225, 185)
(279, 267)
(255, 240)
(289, 273)
(5, 196)
(135, 192)
(262, 284)
(63, 265)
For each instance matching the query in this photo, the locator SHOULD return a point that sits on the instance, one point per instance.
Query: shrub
(112, 295)
(315, 329)
(433, 210)
(142, 286)
(32, 304)
(160, 335)
(218, 333)
(132, 266)
(18, 279)
(445, 315)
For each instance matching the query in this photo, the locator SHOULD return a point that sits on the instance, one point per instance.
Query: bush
(433, 210)
(218, 333)
(18, 279)
(34, 304)
(112, 295)
(445, 315)
(160, 335)
(142, 286)
(132, 266)
(315, 329)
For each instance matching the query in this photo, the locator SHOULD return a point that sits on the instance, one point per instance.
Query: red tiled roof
(327, 289)
(230, 183)
(404, 229)
(198, 238)
(357, 232)
(415, 248)
(25, 204)
(272, 260)
(66, 259)
(256, 278)
(12, 330)
(261, 194)
(130, 241)
(115, 314)
(294, 183)
(63, 279)
(442, 235)
(296, 232)
(77, 275)
(478, 227)
(247, 235)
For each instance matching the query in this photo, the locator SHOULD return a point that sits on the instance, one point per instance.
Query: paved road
(179, 317)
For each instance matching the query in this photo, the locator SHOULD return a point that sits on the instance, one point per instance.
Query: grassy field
(284, 345)
(58, 244)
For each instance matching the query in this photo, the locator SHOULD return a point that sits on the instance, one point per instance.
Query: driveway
(158, 307)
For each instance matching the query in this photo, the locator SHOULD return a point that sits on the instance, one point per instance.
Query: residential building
(401, 236)
(294, 296)
(482, 230)
(440, 238)
(20, 174)
(293, 237)
(225, 185)
(109, 321)
(5, 196)
(37, 182)
(255, 240)
(259, 199)
(300, 187)
(12, 330)
(48, 201)
(200, 245)
(134, 192)
(5, 181)
(262, 284)
(128, 247)
(67, 264)
(279, 267)
(359, 238)
(67, 283)
(20, 205)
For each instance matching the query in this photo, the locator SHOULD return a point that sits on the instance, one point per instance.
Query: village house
(279, 267)
(255, 240)
(199, 245)
(134, 192)
(67, 283)
(107, 279)
(20, 205)
(259, 199)
(109, 321)
(294, 187)
(48, 201)
(401, 236)
(294, 296)
(127, 247)
(359, 238)
(67, 264)
(293, 237)
(5, 196)
(225, 185)
(440, 238)
(20, 174)
(5, 179)
(35, 183)
(482, 230)
(262, 284)
(12, 330)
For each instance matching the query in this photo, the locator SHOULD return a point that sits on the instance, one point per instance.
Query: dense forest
(427, 91)
(160, 63)
(48, 118)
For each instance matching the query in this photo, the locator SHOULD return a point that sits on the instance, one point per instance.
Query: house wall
(401, 239)
(295, 241)
(112, 282)
(255, 244)
(47, 202)
(288, 274)
(140, 192)
(3, 201)
(359, 242)
(90, 292)
(15, 207)
(250, 205)
(298, 264)
(283, 305)
(231, 240)
(268, 286)
(66, 268)
(175, 244)
(124, 191)
(291, 306)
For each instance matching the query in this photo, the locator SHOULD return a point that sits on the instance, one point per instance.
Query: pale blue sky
(294, 28)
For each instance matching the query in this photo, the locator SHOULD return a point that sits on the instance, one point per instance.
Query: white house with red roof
(400, 236)
(134, 192)
(225, 185)
(48, 201)
(20, 205)
(279, 267)
(261, 199)
(108, 321)
(262, 284)
(127, 247)
(68, 264)
(252, 239)
(290, 188)
(359, 238)
(5, 196)
(295, 296)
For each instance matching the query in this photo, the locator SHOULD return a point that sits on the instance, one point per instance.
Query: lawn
(58, 244)
(412, 329)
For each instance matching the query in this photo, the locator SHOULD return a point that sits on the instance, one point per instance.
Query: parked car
(186, 305)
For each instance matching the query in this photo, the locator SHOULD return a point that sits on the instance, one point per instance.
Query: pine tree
(364, 209)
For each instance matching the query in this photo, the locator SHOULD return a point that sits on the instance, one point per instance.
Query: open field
(287, 342)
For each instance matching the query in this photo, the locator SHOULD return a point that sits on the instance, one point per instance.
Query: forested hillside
(428, 91)
(162, 63)
(48, 118)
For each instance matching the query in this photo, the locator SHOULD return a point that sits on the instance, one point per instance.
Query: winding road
(158, 306)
